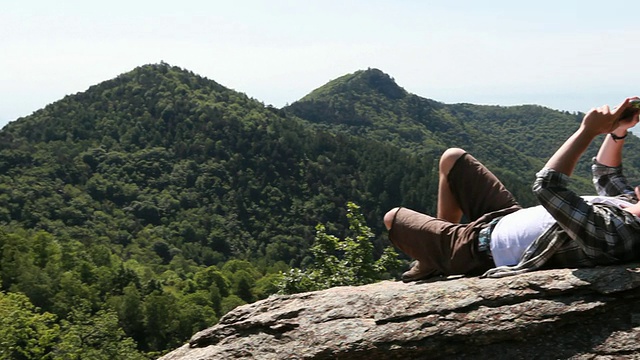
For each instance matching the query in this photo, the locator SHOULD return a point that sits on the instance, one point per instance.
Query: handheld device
(632, 110)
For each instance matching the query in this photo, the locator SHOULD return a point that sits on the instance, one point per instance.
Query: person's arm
(608, 177)
(590, 229)
(610, 152)
(597, 121)
(564, 160)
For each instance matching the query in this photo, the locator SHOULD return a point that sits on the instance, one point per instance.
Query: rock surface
(552, 314)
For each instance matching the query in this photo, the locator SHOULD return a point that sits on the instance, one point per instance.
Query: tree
(212, 276)
(196, 313)
(129, 309)
(24, 332)
(161, 320)
(243, 284)
(342, 262)
(94, 336)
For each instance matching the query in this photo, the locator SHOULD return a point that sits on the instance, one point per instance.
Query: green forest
(140, 211)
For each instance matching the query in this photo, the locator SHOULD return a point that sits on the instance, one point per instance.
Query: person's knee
(389, 216)
(449, 158)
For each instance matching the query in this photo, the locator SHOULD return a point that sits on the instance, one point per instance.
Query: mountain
(160, 145)
(161, 188)
(146, 207)
(514, 141)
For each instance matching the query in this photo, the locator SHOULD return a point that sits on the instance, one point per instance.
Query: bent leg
(448, 207)
(438, 245)
(476, 190)
(442, 244)
(389, 217)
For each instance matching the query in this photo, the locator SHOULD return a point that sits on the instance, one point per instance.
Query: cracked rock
(552, 314)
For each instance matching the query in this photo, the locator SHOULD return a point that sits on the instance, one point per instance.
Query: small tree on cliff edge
(341, 262)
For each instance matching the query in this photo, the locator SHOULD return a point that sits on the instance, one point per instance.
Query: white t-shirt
(514, 233)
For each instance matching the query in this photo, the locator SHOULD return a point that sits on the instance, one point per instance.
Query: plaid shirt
(584, 234)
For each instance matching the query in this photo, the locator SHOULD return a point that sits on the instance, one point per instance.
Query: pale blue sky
(567, 55)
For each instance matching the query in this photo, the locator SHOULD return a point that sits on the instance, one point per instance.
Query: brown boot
(417, 273)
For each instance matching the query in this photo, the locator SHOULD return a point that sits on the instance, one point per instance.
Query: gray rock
(552, 314)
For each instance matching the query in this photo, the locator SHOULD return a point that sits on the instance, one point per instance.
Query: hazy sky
(567, 55)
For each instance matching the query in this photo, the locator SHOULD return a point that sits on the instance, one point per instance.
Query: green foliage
(161, 320)
(341, 262)
(25, 333)
(94, 336)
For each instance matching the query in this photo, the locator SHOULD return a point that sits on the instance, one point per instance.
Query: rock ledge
(558, 314)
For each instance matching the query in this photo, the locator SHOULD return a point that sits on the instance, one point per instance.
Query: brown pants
(452, 248)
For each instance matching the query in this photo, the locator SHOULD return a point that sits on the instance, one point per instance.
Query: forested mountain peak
(157, 96)
(511, 139)
(359, 83)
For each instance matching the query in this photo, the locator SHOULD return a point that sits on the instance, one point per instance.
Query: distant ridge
(514, 140)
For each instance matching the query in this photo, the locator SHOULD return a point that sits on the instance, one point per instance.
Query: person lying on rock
(502, 238)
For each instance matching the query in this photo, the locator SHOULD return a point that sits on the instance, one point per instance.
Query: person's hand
(603, 120)
(627, 122)
(635, 208)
